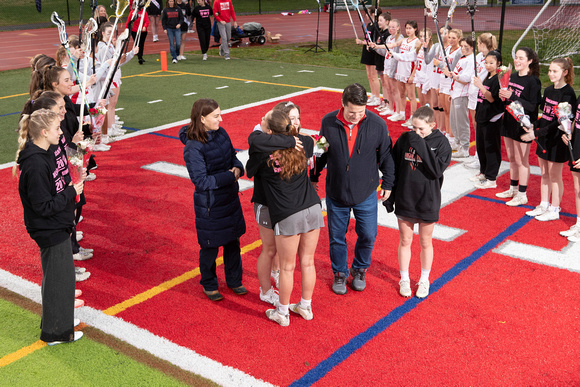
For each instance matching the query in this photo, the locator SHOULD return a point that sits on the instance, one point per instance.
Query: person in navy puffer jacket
(214, 170)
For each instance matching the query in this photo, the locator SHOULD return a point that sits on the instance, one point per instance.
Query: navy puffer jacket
(218, 213)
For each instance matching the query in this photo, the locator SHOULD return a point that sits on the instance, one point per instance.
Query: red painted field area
(495, 319)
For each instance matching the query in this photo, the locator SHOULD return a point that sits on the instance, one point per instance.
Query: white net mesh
(559, 36)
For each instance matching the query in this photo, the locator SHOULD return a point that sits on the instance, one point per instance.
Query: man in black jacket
(360, 146)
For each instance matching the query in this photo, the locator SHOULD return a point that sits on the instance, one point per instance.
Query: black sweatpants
(141, 43)
(204, 37)
(488, 145)
(232, 266)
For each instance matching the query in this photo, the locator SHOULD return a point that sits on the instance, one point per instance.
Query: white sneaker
(477, 178)
(460, 154)
(271, 296)
(305, 313)
(510, 193)
(473, 164)
(275, 315)
(407, 123)
(77, 336)
(397, 117)
(382, 106)
(423, 290)
(573, 230)
(204, 57)
(539, 210)
(106, 139)
(90, 177)
(174, 61)
(275, 275)
(455, 146)
(575, 237)
(550, 214)
(82, 255)
(387, 112)
(518, 200)
(80, 270)
(116, 132)
(405, 288)
(155, 38)
(79, 277)
(101, 148)
(484, 184)
(79, 236)
(373, 101)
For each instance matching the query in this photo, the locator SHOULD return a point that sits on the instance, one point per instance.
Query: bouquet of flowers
(517, 111)
(76, 166)
(85, 147)
(564, 115)
(97, 119)
(503, 76)
(320, 146)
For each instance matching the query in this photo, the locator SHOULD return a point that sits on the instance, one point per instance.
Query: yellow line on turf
(22, 352)
(141, 297)
(15, 95)
(239, 79)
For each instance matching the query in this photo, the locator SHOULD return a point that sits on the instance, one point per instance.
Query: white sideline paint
(181, 171)
(221, 87)
(305, 71)
(249, 82)
(567, 258)
(155, 101)
(160, 347)
(188, 94)
(119, 109)
(277, 76)
(342, 75)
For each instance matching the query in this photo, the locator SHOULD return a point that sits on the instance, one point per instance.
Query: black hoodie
(47, 201)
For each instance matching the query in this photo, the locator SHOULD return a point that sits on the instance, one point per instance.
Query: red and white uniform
(407, 58)
(452, 55)
(482, 74)
(390, 61)
(464, 70)
(423, 72)
(436, 73)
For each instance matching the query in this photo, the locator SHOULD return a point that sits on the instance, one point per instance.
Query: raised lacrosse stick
(471, 8)
(120, 9)
(450, 13)
(350, 17)
(432, 6)
(138, 35)
(364, 27)
(89, 29)
(121, 43)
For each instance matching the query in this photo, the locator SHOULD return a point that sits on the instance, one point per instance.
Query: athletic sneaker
(80, 270)
(79, 277)
(101, 148)
(271, 296)
(460, 154)
(181, 57)
(358, 279)
(155, 38)
(423, 290)
(518, 200)
(373, 101)
(477, 178)
(275, 275)
(382, 106)
(473, 164)
(455, 146)
(386, 112)
(275, 315)
(106, 139)
(204, 57)
(550, 214)
(407, 123)
(174, 61)
(306, 313)
(77, 336)
(227, 57)
(539, 210)
(571, 231)
(575, 237)
(405, 288)
(82, 255)
(397, 117)
(79, 236)
(484, 184)
(90, 177)
(510, 193)
(339, 284)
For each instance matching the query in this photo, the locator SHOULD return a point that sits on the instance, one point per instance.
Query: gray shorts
(301, 222)
(262, 215)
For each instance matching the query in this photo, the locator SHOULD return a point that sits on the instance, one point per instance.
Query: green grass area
(84, 363)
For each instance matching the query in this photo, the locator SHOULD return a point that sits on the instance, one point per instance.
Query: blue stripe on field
(9, 114)
(357, 342)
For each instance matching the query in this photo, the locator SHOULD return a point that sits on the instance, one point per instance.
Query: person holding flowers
(556, 96)
(48, 201)
(525, 88)
(214, 170)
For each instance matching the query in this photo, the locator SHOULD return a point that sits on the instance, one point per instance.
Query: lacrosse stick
(89, 29)
(425, 29)
(350, 17)
(471, 4)
(81, 20)
(450, 12)
(364, 27)
(432, 6)
(138, 35)
(121, 43)
(375, 24)
(120, 9)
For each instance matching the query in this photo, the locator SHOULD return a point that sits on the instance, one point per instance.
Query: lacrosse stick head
(432, 6)
(124, 36)
(471, 5)
(88, 30)
(122, 6)
(56, 20)
(451, 9)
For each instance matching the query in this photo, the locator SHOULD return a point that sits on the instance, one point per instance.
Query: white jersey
(445, 83)
(405, 67)
(464, 70)
(481, 74)
(423, 72)
(390, 62)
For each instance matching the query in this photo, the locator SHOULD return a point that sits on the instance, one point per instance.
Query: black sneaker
(358, 279)
(339, 285)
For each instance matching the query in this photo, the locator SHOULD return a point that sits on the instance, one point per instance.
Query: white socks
(304, 304)
(425, 275)
(283, 309)
(405, 276)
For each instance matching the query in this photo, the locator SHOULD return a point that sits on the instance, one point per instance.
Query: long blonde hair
(30, 128)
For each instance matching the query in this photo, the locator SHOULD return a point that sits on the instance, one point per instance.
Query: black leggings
(204, 37)
(488, 145)
(141, 42)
